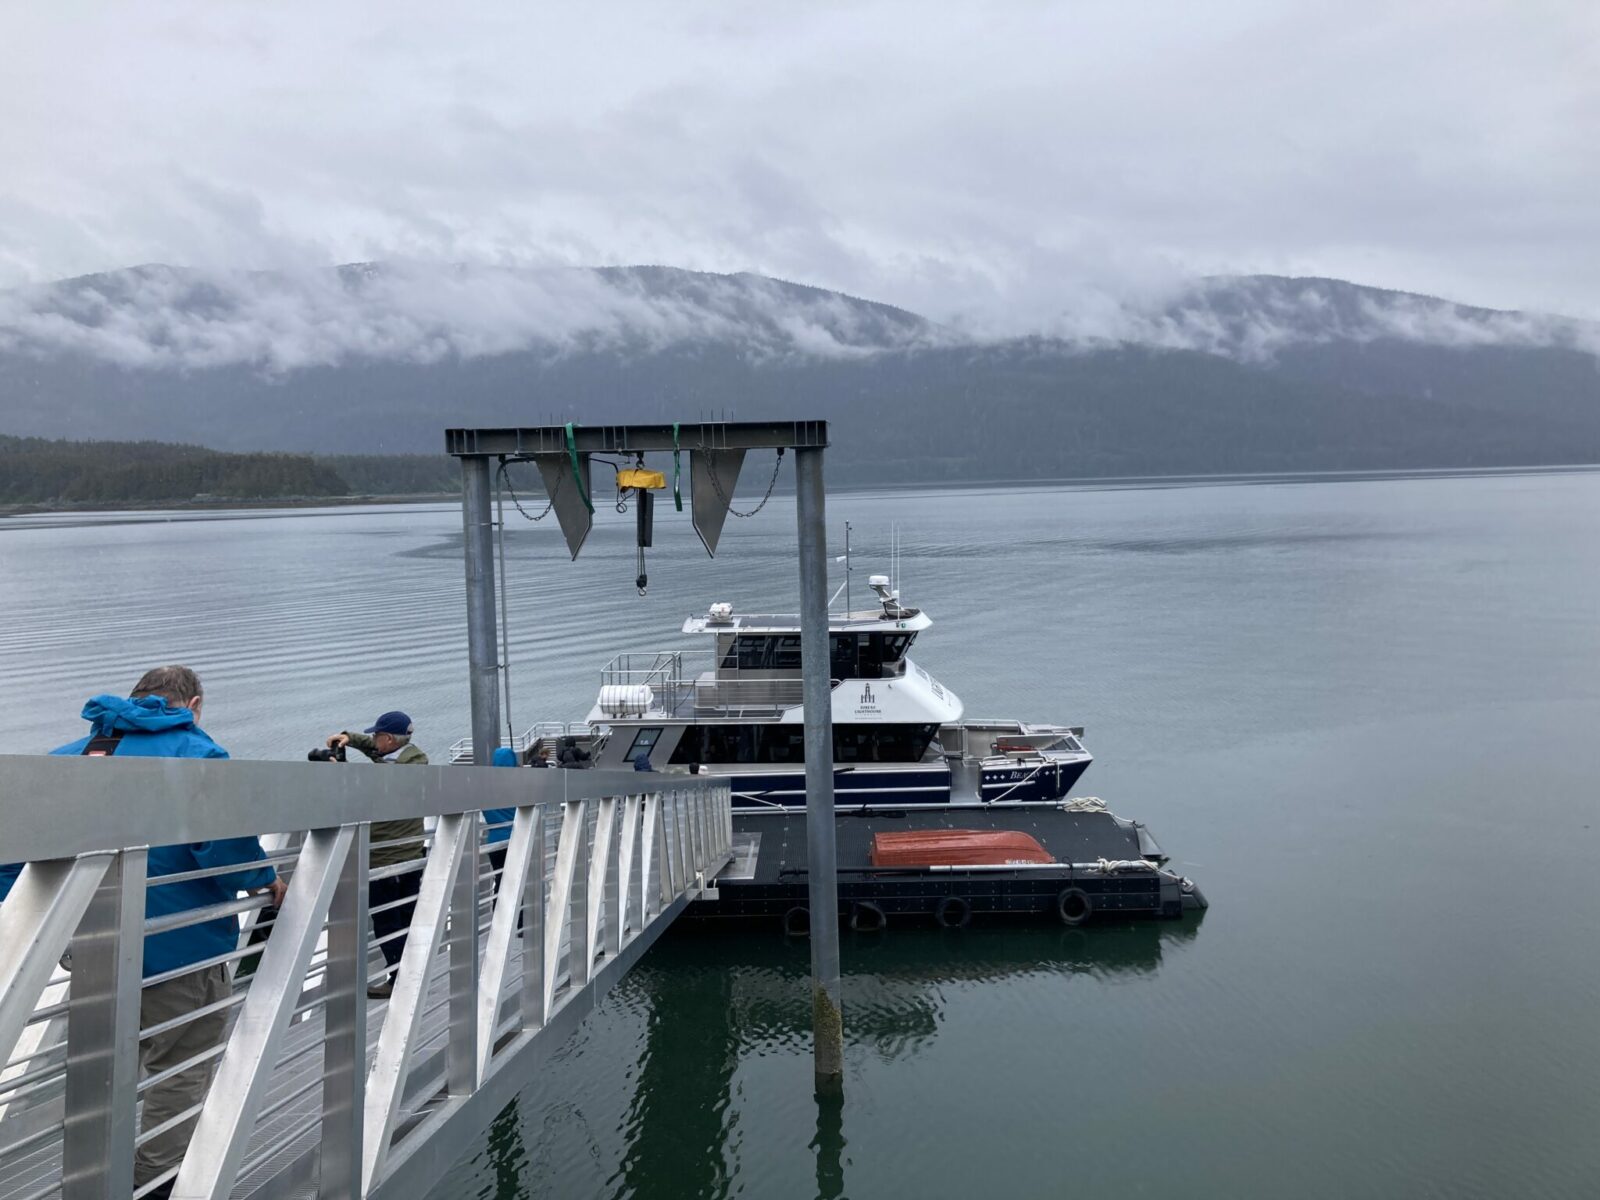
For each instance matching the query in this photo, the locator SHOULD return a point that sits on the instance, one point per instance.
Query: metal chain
(716, 484)
(505, 478)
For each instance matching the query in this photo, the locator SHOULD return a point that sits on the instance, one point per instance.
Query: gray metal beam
(227, 1122)
(462, 941)
(103, 1036)
(627, 439)
(477, 513)
(36, 923)
(386, 1080)
(821, 857)
(344, 1082)
(157, 801)
(525, 843)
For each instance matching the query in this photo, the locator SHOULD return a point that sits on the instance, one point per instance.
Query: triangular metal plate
(713, 474)
(574, 515)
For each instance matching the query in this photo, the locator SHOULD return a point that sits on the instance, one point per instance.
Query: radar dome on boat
(626, 699)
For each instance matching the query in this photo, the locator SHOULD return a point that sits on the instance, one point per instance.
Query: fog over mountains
(1249, 373)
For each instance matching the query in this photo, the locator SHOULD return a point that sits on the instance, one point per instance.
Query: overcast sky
(999, 161)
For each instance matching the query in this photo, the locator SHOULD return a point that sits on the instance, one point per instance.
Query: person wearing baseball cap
(391, 897)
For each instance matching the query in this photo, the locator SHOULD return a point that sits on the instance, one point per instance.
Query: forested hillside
(37, 471)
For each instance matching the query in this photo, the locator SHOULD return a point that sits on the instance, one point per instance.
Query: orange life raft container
(956, 848)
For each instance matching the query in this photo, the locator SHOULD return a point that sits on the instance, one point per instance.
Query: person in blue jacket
(160, 719)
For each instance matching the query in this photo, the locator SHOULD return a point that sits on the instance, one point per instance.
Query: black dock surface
(1104, 865)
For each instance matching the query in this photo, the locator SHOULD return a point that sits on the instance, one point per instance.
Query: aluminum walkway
(318, 1090)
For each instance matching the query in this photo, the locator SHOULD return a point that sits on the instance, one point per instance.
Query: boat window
(851, 655)
(643, 742)
(753, 652)
(768, 745)
(843, 653)
(786, 652)
(864, 655)
(754, 744)
(894, 645)
(881, 743)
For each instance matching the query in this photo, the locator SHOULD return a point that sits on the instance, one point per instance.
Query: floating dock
(1105, 865)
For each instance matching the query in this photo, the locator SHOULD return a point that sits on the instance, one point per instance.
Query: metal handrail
(473, 1006)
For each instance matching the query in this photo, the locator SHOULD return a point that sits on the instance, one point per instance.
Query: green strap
(677, 496)
(572, 452)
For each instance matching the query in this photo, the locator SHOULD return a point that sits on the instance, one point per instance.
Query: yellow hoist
(642, 482)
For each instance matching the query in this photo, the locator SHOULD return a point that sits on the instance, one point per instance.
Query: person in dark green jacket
(388, 740)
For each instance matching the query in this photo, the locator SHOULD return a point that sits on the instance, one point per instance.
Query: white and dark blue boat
(900, 737)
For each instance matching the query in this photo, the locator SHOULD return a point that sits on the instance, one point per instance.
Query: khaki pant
(167, 1099)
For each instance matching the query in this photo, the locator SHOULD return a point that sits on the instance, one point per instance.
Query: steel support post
(463, 940)
(483, 653)
(821, 862)
(227, 1121)
(103, 1036)
(344, 1047)
(532, 936)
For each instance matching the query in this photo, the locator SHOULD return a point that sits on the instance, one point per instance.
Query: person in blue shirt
(160, 719)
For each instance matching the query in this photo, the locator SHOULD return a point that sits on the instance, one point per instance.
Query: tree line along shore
(80, 474)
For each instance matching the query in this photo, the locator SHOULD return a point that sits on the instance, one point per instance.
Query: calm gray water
(1362, 714)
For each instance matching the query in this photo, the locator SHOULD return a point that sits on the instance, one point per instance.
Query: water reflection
(715, 1001)
(829, 1144)
(507, 1155)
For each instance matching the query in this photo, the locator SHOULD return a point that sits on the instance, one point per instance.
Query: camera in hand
(326, 754)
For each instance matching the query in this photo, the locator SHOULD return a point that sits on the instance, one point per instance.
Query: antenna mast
(847, 567)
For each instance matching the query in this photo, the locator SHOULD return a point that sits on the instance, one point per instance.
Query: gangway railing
(316, 1086)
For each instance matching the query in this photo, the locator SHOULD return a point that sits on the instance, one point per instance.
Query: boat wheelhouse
(899, 736)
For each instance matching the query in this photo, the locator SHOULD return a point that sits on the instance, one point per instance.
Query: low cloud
(162, 318)
(1253, 318)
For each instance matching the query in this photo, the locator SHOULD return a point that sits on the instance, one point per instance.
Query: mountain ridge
(1232, 373)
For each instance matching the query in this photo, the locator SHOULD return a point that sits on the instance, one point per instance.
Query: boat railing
(985, 738)
(550, 732)
(657, 670)
(729, 695)
(689, 691)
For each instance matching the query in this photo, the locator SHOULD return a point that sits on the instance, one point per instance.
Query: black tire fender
(867, 917)
(952, 913)
(1073, 906)
(797, 922)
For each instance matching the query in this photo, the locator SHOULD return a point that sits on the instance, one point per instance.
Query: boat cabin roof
(872, 621)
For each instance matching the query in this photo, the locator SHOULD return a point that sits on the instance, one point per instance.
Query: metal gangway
(318, 1090)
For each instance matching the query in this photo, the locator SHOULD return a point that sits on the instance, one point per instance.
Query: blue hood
(152, 714)
(155, 729)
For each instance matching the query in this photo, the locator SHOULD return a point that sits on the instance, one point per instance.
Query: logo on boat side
(867, 705)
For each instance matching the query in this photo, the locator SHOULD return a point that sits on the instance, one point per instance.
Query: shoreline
(213, 504)
(1079, 482)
